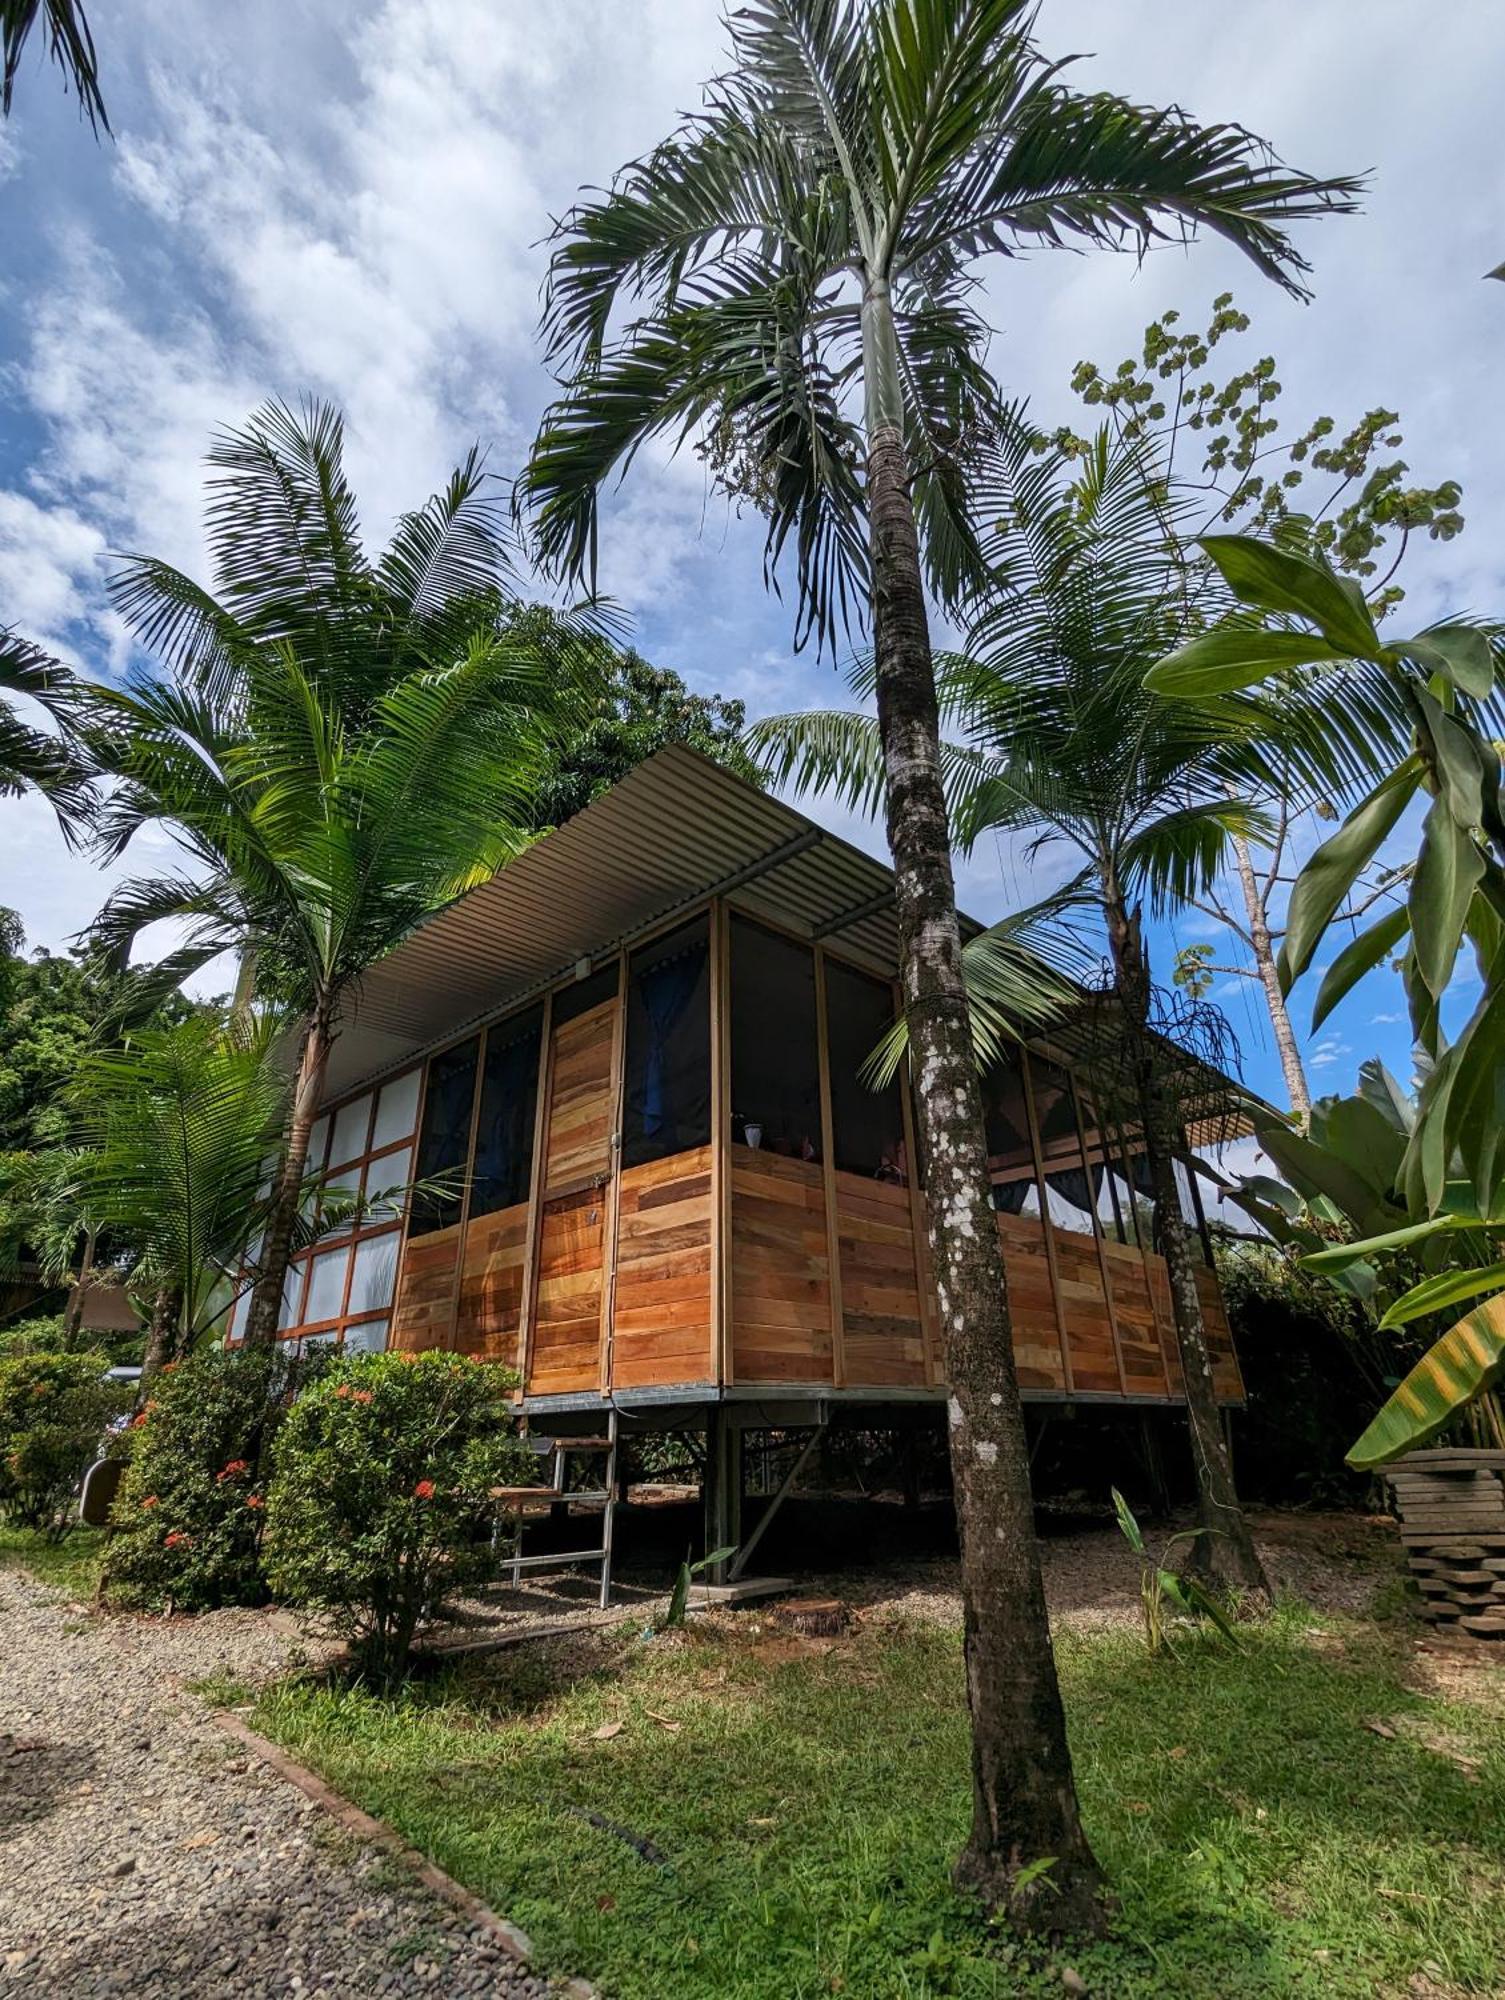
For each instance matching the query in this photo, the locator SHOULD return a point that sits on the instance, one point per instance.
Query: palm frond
(69, 43)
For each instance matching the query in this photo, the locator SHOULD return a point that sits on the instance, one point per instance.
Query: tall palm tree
(1051, 732)
(69, 43)
(338, 746)
(792, 277)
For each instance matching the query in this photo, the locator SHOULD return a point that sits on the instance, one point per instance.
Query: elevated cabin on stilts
(672, 1201)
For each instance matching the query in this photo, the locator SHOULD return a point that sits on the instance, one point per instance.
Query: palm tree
(172, 1132)
(1052, 732)
(69, 43)
(792, 279)
(339, 745)
(35, 758)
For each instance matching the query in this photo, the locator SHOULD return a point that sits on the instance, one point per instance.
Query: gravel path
(141, 1854)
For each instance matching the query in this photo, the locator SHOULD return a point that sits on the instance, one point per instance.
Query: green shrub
(48, 1335)
(379, 1504)
(191, 1508)
(54, 1412)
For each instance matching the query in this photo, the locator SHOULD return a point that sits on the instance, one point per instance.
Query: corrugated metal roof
(677, 828)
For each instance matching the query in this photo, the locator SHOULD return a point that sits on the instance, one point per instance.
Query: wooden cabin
(626, 1072)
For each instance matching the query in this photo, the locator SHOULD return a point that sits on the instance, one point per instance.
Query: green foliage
(637, 710)
(1349, 1174)
(709, 291)
(1166, 1595)
(380, 1502)
(1249, 475)
(51, 1335)
(1263, 1843)
(685, 1575)
(54, 1413)
(191, 1507)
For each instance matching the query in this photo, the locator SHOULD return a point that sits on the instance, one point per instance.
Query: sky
(352, 201)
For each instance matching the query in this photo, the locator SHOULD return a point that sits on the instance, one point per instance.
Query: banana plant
(1346, 1175)
(1428, 709)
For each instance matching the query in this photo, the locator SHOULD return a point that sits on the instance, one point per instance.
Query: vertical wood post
(828, 1177)
(1047, 1227)
(536, 1184)
(1097, 1231)
(723, 1352)
(612, 1196)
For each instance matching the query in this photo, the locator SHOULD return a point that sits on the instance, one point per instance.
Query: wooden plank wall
(424, 1314)
(567, 1295)
(883, 1335)
(661, 1314)
(488, 1319)
(780, 1290)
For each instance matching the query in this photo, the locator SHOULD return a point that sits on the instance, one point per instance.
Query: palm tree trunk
(1263, 948)
(1224, 1551)
(1024, 1793)
(73, 1318)
(161, 1339)
(276, 1250)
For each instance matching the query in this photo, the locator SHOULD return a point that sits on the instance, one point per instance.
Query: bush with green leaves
(51, 1334)
(55, 1410)
(191, 1507)
(380, 1505)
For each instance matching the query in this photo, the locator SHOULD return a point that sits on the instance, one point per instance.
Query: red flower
(343, 1392)
(168, 1367)
(138, 1420)
(176, 1539)
(233, 1470)
(424, 1490)
(362, 1395)
(150, 1500)
(254, 1500)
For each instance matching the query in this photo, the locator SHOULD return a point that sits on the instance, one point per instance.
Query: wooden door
(579, 1164)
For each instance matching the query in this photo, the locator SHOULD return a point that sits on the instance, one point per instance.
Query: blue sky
(349, 200)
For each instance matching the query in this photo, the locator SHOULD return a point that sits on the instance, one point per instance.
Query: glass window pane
(375, 1272)
(326, 1288)
(775, 1043)
(369, 1338)
(444, 1143)
(586, 993)
(318, 1140)
(389, 1175)
(396, 1110)
(509, 1100)
(351, 1123)
(867, 1126)
(667, 1100)
(340, 1185)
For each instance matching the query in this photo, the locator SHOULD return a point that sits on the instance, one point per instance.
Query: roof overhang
(675, 830)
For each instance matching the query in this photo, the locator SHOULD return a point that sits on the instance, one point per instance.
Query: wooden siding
(424, 1314)
(780, 1270)
(488, 1321)
(567, 1295)
(578, 1135)
(882, 1328)
(661, 1308)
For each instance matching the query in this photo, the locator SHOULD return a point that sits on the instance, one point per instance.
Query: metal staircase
(561, 1450)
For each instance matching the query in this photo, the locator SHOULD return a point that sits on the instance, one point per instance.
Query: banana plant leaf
(1469, 1358)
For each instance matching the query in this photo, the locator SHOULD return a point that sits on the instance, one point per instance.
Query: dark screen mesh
(444, 1141)
(775, 1044)
(667, 1097)
(867, 1126)
(509, 1099)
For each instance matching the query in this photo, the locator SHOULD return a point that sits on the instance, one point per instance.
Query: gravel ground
(140, 1853)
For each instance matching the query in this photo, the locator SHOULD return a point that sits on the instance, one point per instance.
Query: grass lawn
(70, 1566)
(803, 1806)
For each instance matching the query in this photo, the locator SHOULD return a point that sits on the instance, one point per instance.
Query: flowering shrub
(379, 1504)
(54, 1412)
(190, 1509)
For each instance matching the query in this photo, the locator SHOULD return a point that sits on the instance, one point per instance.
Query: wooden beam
(613, 1192)
(535, 1189)
(1097, 1231)
(1047, 1227)
(723, 1349)
(463, 1225)
(828, 1177)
